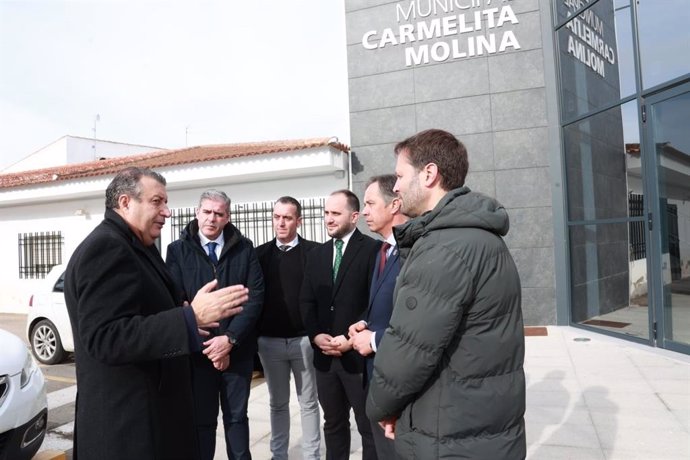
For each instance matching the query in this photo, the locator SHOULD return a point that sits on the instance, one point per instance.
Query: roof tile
(162, 158)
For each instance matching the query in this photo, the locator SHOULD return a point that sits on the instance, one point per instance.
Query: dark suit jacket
(378, 314)
(135, 396)
(331, 308)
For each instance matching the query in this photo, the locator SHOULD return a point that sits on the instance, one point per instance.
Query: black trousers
(338, 392)
(229, 390)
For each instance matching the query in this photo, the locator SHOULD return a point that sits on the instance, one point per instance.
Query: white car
(47, 324)
(23, 402)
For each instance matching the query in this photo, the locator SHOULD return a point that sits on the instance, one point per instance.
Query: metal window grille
(255, 220)
(38, 253)
(179, 218)
(638, 248)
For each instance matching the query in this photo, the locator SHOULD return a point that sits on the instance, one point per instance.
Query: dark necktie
(338, 257)
(212, 252)
(383, 256)
(284, 247)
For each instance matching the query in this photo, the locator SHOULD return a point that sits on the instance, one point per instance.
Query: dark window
(603, 164)
(38, 253)
(607, 290)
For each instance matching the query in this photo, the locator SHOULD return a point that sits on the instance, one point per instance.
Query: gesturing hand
(212, 305)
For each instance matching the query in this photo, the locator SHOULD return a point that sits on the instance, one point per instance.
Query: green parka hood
(474, 210)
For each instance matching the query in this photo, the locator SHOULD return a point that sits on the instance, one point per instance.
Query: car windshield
(60, 284)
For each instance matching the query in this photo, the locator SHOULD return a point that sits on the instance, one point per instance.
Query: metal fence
(638, 248)
(255, 220)
(38, 253)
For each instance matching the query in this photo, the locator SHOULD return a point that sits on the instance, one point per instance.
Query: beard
(339, 232)
(413, 200)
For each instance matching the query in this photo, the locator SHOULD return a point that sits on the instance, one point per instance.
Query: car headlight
(28, 370)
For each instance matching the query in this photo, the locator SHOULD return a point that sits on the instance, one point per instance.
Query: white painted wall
(76, 207)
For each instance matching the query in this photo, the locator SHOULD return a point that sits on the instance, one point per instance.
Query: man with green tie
(335, 292)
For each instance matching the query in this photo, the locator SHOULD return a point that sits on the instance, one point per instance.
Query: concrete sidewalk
(600, 398)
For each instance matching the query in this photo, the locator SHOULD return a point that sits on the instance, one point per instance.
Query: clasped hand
(332, 346)
(218, 351)
(360, 338)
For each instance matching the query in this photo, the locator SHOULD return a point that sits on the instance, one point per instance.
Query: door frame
(655, 283)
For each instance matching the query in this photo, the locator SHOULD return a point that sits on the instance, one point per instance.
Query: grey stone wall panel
(458, 116)
(382, 126)
(527, 30)
(376, 159)
(376, 17)
(482, 182)
(524, 6)
(362, 62)
(382, 90)
(518, 109)
(480, 151)
(538, 306)
(535, 266)
(515, 71)
(520, 148)
(530, 228)
(454, 79)
(524, 188)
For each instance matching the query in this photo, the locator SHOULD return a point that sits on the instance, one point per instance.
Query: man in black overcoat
(132, 336)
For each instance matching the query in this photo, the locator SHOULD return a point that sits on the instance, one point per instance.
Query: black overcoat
(134, 397)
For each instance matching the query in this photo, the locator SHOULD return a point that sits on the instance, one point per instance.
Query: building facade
(575, 116)
(46, 213)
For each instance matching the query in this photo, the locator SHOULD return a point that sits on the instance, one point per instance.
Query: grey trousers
(280, 357)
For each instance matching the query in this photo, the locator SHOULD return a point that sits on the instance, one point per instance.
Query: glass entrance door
(668, 126)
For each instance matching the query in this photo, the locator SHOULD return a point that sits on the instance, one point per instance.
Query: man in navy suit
(382, 211)
(334, 294)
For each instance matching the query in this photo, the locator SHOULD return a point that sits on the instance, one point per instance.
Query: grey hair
(216, 195)
(128, 182)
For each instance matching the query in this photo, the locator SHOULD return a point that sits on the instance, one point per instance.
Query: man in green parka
(448, 376)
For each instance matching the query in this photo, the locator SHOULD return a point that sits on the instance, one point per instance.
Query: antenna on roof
(96, 119)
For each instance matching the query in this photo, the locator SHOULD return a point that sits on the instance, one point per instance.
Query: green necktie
(338, 257)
